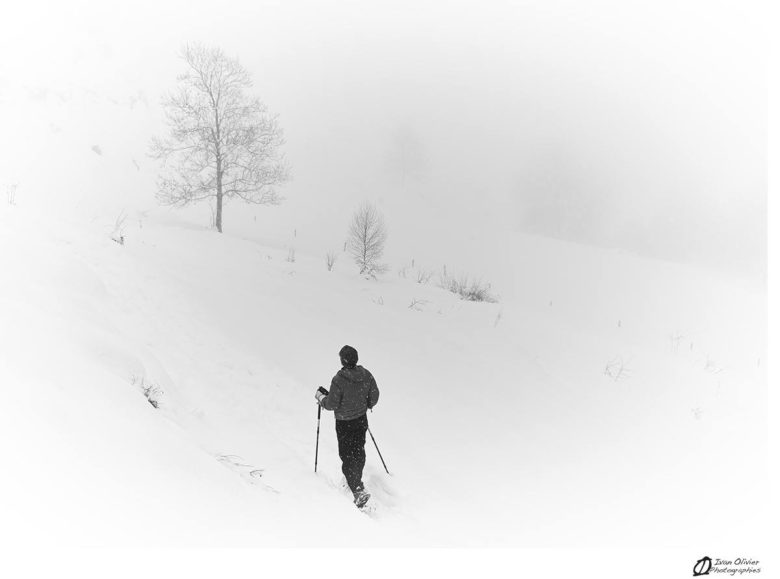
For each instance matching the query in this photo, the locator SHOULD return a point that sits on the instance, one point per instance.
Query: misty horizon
(640, 129)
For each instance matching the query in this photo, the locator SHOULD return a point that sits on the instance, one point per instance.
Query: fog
(639, 126)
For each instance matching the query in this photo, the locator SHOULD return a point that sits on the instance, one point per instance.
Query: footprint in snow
(249, 473)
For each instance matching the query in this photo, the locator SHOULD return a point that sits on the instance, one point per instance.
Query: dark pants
(351, 435)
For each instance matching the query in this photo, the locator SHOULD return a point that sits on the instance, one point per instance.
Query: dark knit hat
(349, 356)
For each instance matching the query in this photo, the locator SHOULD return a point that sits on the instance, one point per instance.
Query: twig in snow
(617, 370)
(710, 366)
(330, 260)
(424, 276)
(118, 234)
(10, 191)
(675, 341)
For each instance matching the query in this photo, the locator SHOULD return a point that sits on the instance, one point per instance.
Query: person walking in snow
(353, 391)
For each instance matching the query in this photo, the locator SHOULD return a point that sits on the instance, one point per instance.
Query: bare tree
(367, 237)
(223, 144)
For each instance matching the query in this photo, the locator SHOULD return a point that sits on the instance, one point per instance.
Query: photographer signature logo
(740, 566)
(702, 567)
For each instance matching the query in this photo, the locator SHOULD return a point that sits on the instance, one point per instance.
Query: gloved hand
(320, 394)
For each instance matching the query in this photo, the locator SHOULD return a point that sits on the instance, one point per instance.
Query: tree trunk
(219, 212)
(218, 151)
(218, 220)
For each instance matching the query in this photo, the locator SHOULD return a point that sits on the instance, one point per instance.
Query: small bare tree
(223, 144)
(367, 237)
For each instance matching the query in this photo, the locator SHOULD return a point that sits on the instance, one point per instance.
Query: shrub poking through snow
(118, 234)
(330, 259)
(424, 275)
(10, 191)
(468, 288)
(616, 369)
(291, 255)
(151, 391)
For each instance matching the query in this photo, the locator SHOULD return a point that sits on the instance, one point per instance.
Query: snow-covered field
(159, 392)
(502, 424)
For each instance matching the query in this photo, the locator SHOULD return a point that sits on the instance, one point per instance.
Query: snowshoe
(361, 498)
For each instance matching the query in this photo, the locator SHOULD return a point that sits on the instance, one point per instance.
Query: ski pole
(377, 449)
(317, 448)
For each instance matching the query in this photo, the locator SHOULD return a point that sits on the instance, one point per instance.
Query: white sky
(648, 120)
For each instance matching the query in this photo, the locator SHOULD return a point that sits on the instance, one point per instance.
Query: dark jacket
(352, 392)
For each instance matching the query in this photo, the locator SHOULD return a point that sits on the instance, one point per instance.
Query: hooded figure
(353, 391)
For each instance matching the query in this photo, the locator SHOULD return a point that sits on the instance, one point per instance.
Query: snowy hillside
(158, 378)
(502, 424)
